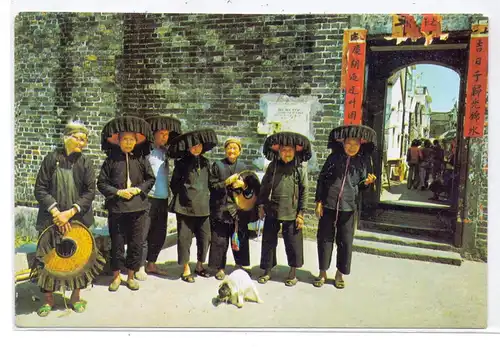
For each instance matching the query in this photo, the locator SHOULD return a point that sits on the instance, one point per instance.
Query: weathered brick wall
(211, 74)
(65, 65)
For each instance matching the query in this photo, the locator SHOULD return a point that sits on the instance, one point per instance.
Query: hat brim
(173, 125)
(112, 129)
(301, 144)
(362, 132)
(179, 146)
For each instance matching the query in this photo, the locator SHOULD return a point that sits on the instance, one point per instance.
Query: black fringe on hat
(173, 125)
(127, 124)
(362, 132)
(286, 138)
(355, 131)
(179, 147)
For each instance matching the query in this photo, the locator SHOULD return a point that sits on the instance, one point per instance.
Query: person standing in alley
(342, 177)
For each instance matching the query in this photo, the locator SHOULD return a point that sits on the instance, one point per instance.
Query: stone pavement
(380, 293)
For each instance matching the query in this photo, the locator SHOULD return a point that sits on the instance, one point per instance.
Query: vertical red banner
(477, 83)
(354, 80)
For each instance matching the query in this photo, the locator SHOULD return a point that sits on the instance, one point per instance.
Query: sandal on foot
(188, 278)
(290, 282)
(220, 276)
(79, 306)
(114, 286)
(318, 282)
(44, 310)
(263, 279)
(132, 285)
(202, 273)
(141, 275)
(339, 284)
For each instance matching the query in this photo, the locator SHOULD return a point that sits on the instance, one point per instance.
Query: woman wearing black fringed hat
(164, 129)
(191, 196)
(125, 180)
(282, 200)
(343, 175)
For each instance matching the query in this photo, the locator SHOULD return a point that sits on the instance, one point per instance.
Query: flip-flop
(339, 284)
(319, 281)
(290, 282)
(188, 278)
(220, 276)
(79, 306)
(44, 310)
(202, 273)
(263, 279)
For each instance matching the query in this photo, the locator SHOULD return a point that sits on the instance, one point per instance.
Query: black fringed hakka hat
(367, 136)
(299, 142)
(172, 124)
(112, 129)
(180, 145)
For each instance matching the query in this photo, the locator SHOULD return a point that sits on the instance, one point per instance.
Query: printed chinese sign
(477, 82)
(354, 75)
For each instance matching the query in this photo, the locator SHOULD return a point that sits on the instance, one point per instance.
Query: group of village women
(139, 192)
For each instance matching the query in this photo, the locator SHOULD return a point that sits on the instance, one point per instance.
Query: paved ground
(380, 292)
(398, 193)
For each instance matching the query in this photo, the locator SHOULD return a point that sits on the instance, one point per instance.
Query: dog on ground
(238, 287)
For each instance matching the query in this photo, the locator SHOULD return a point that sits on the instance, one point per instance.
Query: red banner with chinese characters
(355, 77)
(477, 82)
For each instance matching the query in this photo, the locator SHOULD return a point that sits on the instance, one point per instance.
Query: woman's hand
(64, 229)
(238, 184)
(299, 221)
(134, 191)
(231, 179)
(125, 194)
(63, 218)
(319, 209)
(370, 179)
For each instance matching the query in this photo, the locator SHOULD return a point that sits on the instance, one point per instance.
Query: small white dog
(238, 287)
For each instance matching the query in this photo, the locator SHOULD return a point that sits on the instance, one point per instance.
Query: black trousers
(156, 231)
(221, 236)
(294, 243)
(343, 238)
(186, 227)
(126, 228)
